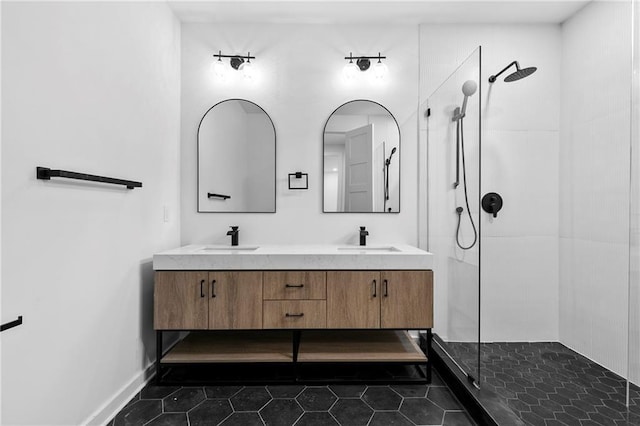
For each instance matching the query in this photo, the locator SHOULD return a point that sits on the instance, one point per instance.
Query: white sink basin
(230, 248)
(370, 249)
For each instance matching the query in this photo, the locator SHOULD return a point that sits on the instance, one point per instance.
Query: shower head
(520, 74)
(517, 75)
(393, 151)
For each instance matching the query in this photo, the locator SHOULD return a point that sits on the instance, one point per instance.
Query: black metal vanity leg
(296, 344)
(158, 357)
(296, 348)
(428, 353)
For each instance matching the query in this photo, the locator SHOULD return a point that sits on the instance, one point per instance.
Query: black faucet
(234, 235)
(363, 236)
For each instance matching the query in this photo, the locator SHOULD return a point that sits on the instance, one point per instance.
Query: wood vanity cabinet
(386, 299)
(406, 299)
(297, 317)
(353, 299)
(181, 300)
(236, 300)
(294, 299)
(249, 300)
(197, 300)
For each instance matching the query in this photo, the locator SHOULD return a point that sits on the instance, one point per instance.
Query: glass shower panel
(633, 396)
(453, 164)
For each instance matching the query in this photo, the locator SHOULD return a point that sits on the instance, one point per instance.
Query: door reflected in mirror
(361, 159)
(236, 159)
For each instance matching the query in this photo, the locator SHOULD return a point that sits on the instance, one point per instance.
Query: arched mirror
(236, 159)
(361, 159)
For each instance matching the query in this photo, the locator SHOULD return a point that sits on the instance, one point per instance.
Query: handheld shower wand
(468, 89)
(388, 161)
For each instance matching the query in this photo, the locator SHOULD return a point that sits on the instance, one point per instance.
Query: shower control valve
(492, 203)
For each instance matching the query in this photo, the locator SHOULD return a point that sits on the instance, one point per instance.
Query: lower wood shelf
(386, 346)
(234, 346)
(359, 346)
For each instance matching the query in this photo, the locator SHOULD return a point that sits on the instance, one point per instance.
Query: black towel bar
(46, 174)
(11, 324)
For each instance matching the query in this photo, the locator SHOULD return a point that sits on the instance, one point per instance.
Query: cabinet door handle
(386, 288)
(202, 288)
(374, 284)
(213, 288)
(294, 285)
(294, 315)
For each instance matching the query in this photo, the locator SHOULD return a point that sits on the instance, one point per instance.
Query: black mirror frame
(275, 159)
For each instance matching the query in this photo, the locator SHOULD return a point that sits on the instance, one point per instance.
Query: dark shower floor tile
(548, 384)
(296, 405)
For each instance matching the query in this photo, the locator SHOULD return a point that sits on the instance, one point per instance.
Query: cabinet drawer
(295, 314)
(295, 285)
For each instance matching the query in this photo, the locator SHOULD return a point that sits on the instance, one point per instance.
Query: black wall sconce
(363, 63)
(299, 184)
(237, 62)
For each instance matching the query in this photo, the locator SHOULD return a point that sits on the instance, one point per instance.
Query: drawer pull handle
(386, 288)
(294, 285)
(202, 288)
(293, 315)
(374, 285)
(213, 288)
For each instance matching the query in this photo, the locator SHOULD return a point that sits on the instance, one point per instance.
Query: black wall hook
(492, 203)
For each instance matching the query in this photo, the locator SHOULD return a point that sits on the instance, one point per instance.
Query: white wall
(299, 84)
(520, 122)
(90, 87)
(594, 183)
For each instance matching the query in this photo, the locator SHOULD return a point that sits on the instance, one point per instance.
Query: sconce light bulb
(218, 69)
(350, 70)
(380, 70)
(247, 70)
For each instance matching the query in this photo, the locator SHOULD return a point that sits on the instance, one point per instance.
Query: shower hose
(460, 140)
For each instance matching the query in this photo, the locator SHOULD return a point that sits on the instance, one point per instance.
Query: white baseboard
(117, 402)
(120, 398)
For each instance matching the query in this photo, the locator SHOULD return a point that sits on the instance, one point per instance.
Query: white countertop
(308, 257)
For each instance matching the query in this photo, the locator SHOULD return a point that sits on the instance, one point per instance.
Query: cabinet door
(407, 299)
(235, 301)
(180, 300)
(353, 299)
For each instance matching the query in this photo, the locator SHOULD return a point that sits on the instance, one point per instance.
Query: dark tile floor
(300, 405)
(548, 384)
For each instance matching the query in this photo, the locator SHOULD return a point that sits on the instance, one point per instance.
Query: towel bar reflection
(212, 195)
(46, 174)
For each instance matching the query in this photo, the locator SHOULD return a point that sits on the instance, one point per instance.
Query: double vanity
(293, 304)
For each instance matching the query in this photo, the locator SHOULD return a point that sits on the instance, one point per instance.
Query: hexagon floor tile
(548, 384)
(300, 405)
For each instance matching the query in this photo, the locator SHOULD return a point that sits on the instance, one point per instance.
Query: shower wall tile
(521, 285)
(595, 170)
(523, 168)
(594, 183)
(593, 314)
